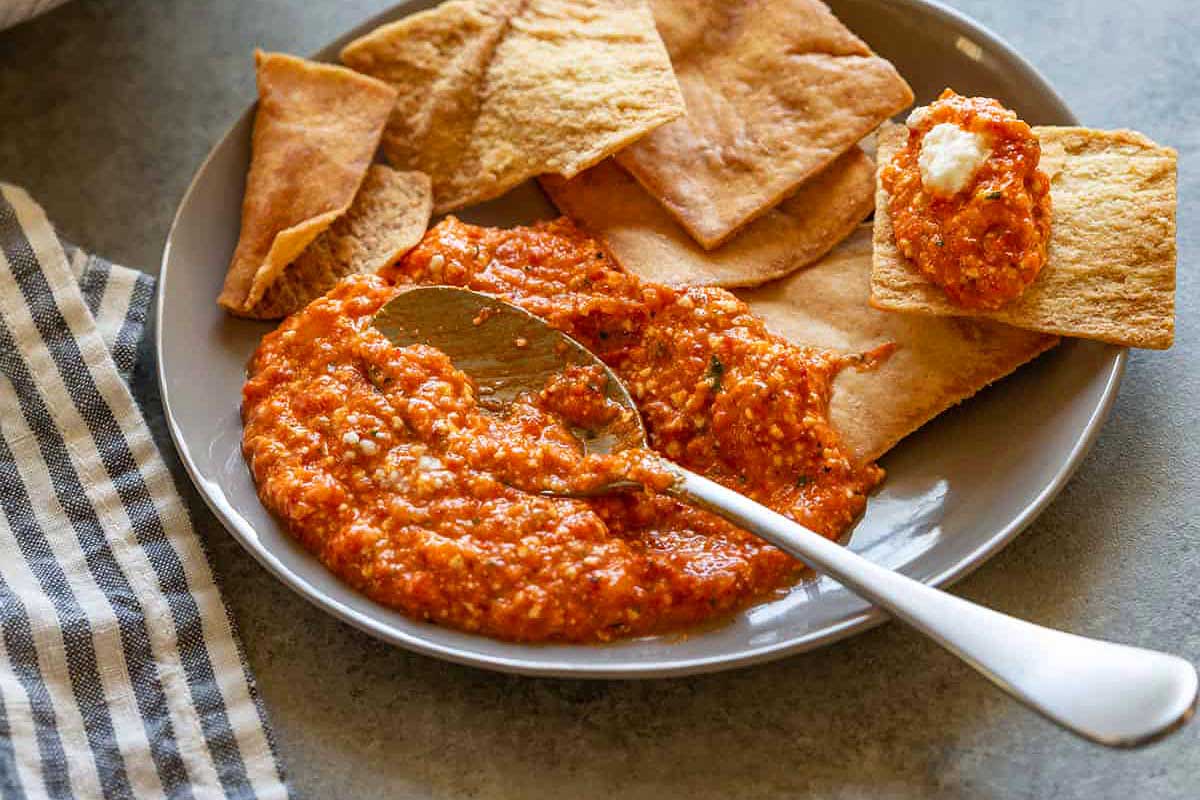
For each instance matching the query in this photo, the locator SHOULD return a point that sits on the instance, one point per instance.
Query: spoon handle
(1109, 693)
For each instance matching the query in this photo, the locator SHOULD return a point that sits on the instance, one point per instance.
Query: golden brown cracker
(937, 363)
(494, 92)
(440, 57)
(388, 217)
(1110, 268)
(315, 133)
(775, 92)
(645, 240)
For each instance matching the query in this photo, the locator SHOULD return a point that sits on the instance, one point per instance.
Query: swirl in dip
(969, 205)
(381, 461)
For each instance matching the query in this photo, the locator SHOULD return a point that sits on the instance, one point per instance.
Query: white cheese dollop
(918, 115)
(430, 464)
(949, 157)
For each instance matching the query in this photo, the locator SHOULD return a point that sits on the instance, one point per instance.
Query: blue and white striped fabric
(120, 672)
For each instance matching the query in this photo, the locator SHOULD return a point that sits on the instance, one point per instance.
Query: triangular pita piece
(774, 92)
(645, 240)
(1110, 268)
(494, 92)
(315, 132)
(937, 361)
(388, 217)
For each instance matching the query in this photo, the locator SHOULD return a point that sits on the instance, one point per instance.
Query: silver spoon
(1112, 694)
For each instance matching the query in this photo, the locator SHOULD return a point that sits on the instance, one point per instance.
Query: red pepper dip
(968, 203)
(382, 463)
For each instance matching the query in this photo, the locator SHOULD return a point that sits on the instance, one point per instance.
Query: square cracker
(644, 239)
(388, 217)
(937, 363)
(494, 92)
(1110, 269)
(775, 92)
(315, 133)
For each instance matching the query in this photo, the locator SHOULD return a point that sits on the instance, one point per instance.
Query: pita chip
(1110, 267)
(388, 217)
(775, 92)
(494, 92)
(644, 239)
(315, 132)
(937, 361)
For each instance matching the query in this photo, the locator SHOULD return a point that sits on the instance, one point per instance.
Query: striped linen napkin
(120, 671)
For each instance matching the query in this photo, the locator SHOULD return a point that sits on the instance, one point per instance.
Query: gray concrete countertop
(108, 106)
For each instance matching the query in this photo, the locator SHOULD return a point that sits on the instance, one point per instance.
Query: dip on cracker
(969, 206)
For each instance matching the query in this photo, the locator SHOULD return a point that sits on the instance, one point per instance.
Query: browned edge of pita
(491, 94)
(937, 363)
(644, 239)
(1110, 269)
(775, 92)
(316, 129)
(388, 217)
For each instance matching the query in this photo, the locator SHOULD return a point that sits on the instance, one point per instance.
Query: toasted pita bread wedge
(1110, 268)
(388, 217)
(645, 240)
(775, 92)
(937, 361)
(494, 92)
(315, 132)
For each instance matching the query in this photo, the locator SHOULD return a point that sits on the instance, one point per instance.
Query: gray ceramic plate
(956, 492)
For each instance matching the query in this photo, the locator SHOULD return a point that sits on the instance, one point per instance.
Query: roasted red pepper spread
(381, 462)
(985, 242)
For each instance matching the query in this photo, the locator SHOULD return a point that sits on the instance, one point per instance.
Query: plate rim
(232, 522)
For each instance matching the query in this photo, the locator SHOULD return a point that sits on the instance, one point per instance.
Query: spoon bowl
(507, 352)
